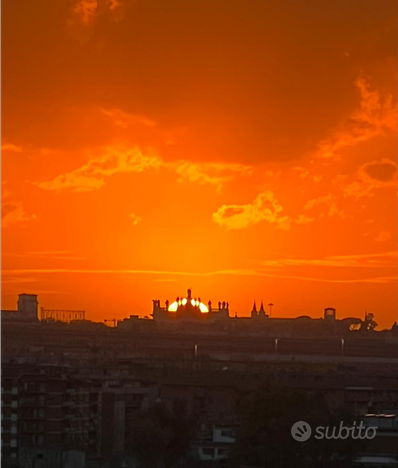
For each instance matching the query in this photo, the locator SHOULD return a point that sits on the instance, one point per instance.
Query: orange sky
(246, 149)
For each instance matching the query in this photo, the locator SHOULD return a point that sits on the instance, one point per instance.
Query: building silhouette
(27, 309)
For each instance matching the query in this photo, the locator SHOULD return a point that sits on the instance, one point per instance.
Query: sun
(173, 307)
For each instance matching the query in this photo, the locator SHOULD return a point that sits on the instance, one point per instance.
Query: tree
(264, 438)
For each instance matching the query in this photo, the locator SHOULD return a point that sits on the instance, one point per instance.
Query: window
(227, 433)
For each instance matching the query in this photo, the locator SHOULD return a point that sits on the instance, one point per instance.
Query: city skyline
(245, 150)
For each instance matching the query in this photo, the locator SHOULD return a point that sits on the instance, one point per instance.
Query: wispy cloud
(85, 11)
(12, 211)
(384, 236)
(55, 254)
(375, 280)
(126, 120)
(165, 280)
(40, 292)
(304, 219)
(235, 272)
(369, 177)
(92, 175)
(114, 4)
(48, 252)
(263, 208)
(131, 271)
(377, 114)
(11, 147)
(84, 15)
(121, 159)
(135, 218)
(328, 206)
(210, 173)
(18, 280)
(303, 173)
(377, 260)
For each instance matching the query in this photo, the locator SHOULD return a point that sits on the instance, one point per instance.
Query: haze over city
(244, 149)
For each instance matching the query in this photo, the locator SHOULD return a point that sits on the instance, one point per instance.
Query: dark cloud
(383, 172)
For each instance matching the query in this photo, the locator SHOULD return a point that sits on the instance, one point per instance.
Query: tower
(329, 313)
(261, 312)
(254, 310)
(28, 306)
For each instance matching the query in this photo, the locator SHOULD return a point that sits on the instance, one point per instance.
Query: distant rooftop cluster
(28, 311)
(192, 310)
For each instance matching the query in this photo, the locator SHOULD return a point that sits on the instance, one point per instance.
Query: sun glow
(173, 307)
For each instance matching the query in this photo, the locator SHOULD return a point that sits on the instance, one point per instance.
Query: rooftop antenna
(270, 305)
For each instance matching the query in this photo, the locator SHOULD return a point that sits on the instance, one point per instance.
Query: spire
(254, 310)
(189, 294)
(261, 311)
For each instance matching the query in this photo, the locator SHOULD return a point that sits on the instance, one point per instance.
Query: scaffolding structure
(65, 316)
